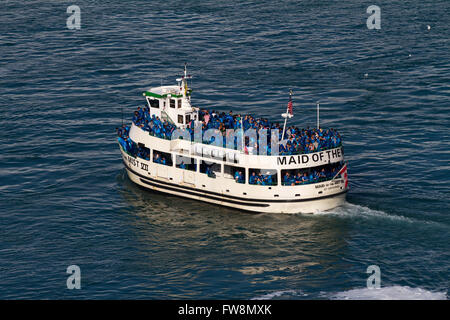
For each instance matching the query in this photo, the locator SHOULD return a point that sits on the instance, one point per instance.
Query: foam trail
(349, 210)
(390, 293)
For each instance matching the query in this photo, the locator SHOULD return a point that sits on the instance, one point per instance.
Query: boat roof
(164, 91)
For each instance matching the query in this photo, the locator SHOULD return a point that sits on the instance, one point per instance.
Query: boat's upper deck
(260, 135)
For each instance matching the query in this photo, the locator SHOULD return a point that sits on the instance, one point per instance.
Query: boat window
(172, 103)
(180, 118)
(186, 163)
(162, 158)
(179, 103)
(310, 175)
(154, 103)
(210, 168)
(236, 173)
(263, 177)
(143, 152)
(188, 118)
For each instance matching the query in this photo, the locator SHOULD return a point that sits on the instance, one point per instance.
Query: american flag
(290, 107)
(343, 172)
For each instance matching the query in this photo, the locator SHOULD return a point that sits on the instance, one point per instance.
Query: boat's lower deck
(225, 191)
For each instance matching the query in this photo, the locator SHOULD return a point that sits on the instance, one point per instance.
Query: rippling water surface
(65, 198)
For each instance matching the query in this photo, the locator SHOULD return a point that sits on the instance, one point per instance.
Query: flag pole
(286, 114)
(284, 127)
(318, 124)
(243, 140)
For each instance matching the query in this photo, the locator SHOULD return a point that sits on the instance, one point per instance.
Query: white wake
(390, 293)
(349, 210)
(383, 293)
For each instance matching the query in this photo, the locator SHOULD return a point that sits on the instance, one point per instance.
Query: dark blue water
(65, 198)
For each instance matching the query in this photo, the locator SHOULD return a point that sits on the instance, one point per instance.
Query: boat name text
(323, 156)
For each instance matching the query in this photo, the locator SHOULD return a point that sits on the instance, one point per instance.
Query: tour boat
(166, 149)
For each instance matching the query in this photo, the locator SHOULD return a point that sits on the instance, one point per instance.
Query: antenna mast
(318, 123)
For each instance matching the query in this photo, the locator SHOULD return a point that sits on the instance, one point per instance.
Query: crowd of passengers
(298, 141)
(261, 179)
(129, 145)
(290, 179)
(125, 141)
(313, 176)
(153, 124)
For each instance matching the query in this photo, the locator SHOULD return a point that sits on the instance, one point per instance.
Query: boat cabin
(173, 103)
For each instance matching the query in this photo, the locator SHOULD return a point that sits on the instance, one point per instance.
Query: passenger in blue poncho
(252, 179)
(298, 178)
(236, 176)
